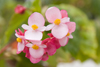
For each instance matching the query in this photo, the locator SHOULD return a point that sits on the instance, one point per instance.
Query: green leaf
(15, 22)
(34, 5)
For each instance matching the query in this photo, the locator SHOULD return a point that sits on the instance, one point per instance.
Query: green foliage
(34, 5)
(14, 23)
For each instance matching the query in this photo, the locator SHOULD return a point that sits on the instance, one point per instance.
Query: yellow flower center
(19, 39)
(34, 27)
(35, 47)
(68, 34)
(57, 21)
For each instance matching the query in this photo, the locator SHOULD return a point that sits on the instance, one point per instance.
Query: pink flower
(21, 41)
(58, 26)
(52, 45)
(35, 28)
(71, 28)
(20, 9)
(62, 42)
(36, 49)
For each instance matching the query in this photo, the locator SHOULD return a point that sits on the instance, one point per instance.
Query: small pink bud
(20, 9)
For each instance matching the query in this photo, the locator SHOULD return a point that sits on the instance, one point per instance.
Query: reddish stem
(3, 49)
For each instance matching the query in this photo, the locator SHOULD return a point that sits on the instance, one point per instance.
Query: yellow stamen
(57, 21)
(68, 34)
(19, 39)
(35, 47)
(34, 27)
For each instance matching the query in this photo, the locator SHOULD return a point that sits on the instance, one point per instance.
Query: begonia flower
(35, 27)
(58, 26)
(36, 49)
(52, 45)
(71, 28)
(62, 42)
(21, 41)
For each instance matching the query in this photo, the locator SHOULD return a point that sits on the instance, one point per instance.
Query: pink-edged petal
(26, 50)
(49, 27)
(26, 27)
(22, 37)
(71, 26)
(16, 32)
(29, 45)
(16, 35)
(36, 53)
(45, 57)
(50, 35)
(21, 33)
(45, 40)
(36, 18)
(20, 46)
(27, 55)
(37, 42)
(35, 60)
(60, 31)
(42, 28)
(51, 49)
(33, 35)
(64, 13)
(52, 14)
(65, 20)
(70, 36)
(63, 41)
(18, 52)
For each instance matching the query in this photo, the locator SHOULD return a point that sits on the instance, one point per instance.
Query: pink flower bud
(20, 9)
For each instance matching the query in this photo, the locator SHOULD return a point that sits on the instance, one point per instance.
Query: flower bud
(20, 9)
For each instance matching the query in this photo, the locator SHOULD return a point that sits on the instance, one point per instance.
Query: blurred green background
(85, 44)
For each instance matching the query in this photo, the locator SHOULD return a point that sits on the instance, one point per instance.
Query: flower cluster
(30, 41)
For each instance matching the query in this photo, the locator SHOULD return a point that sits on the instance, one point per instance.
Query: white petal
(42, 28)
(36, 18)
(60, 31)
(70, 36)
(65, 19)
(29, 45)
(20, 46)
(26, 27)
(37, 42)
(16, 35)
(49, 27)
(33, 35)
